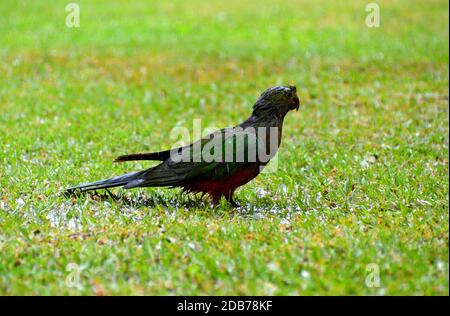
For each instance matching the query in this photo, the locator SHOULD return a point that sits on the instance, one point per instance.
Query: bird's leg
(233, 203)
(230, 199)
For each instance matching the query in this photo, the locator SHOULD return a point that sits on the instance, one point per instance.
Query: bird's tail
(107, 183)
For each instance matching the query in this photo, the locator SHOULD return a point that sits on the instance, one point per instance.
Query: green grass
(362, 171)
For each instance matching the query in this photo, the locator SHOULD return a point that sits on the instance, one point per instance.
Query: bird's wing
(160, 155)
(214, 158)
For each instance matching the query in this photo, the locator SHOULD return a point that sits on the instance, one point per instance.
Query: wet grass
(361, 176)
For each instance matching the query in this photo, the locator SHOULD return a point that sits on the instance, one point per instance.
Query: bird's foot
(233, 203)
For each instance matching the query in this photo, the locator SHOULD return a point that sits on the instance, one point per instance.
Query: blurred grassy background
(362, 172)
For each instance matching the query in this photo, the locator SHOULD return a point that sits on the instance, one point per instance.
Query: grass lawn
(361, 185)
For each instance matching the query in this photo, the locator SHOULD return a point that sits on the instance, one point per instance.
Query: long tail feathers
(161, 155)
(107, 183)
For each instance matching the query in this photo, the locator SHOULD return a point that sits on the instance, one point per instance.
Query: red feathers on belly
(224, 187)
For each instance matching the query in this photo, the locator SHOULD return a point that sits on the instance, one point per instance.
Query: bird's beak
(297, 102)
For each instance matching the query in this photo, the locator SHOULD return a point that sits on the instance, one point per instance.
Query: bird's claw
(233, 203)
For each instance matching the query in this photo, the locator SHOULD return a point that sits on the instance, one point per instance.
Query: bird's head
(277, 100)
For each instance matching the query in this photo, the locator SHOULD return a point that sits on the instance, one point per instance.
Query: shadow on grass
(179, 200)
(156, 199)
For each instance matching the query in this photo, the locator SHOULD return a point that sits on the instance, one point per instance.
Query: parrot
(219, 163)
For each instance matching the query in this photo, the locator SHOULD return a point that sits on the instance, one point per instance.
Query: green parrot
(218, 163)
